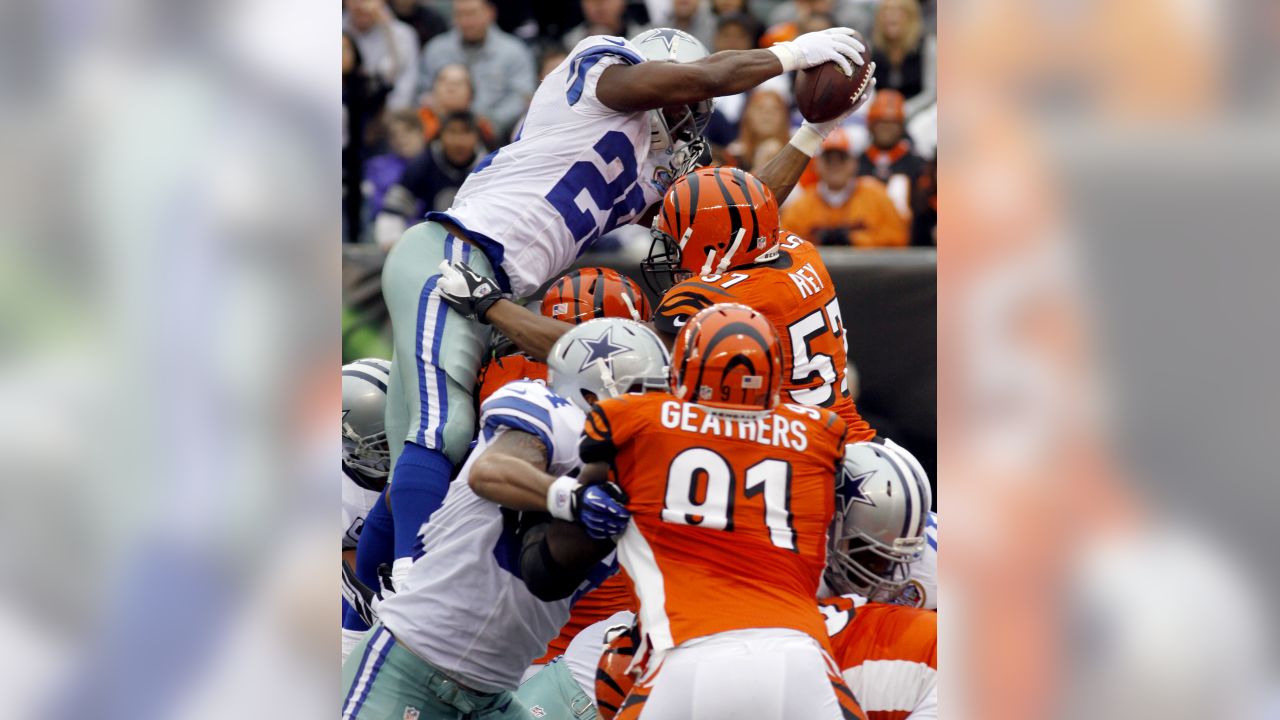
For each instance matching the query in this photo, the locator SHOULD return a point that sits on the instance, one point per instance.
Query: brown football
(824, 92)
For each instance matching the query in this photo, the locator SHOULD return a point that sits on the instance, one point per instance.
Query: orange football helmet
(728, 357)
(711, 220)
(595, 292)
(612, 680)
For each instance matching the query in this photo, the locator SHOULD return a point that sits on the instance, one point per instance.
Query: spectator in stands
(502, 70)
(427, 23)
(844, 209)
(407, 143)
(722, 8)
(765, 116)
(906, 60)
(362, 99)
(856, 14)
(602, 17)
(691, 16)
(388, 48)
(551, 57)
(890, 158)
(736, 31)
(451, 91)
(433, 178)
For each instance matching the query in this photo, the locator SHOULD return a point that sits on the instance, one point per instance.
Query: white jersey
(357, 500)
(463, 607)
(576, 171)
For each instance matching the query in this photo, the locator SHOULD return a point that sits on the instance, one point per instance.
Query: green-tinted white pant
(382, 680)
(553, 694)
(437, 352)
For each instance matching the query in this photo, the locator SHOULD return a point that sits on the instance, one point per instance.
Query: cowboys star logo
(850, 489)
(601, 348)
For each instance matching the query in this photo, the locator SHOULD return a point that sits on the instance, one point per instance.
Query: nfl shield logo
(411, 713)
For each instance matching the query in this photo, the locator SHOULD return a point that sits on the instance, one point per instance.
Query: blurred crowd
(429, 87)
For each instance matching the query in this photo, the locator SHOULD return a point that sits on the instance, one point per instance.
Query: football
(824, 92)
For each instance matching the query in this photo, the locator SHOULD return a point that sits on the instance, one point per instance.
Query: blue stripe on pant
(376, 650)
(437, 356)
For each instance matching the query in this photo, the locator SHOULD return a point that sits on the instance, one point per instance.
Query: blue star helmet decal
(850, 489)
(668, 36)
(601, 348)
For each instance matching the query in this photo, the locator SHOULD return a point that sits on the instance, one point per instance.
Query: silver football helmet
(882, 504)
(364, 403)
(606, 357)
(675, 134)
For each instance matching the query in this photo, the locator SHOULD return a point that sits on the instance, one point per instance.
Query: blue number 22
(622, 197)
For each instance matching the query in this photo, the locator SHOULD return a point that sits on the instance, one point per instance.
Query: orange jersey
(730, 514)
(888, 655)
(796, 293)
(613, 595)
(501, 370)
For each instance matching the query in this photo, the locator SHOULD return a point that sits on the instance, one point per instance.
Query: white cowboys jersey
(463, 607)
(576, 171)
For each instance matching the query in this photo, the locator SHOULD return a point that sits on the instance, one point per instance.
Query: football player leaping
(608, 130)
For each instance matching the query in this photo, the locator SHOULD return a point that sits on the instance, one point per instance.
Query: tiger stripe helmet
(595, 292)
(613, 682)
(711, 220)
(728, 357)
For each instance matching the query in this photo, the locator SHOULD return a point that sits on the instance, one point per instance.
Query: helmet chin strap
(737, 243)
(631, 307)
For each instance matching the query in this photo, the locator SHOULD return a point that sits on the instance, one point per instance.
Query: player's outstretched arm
(533, 333)
(476, 296)
(652, 85)
(783, 171)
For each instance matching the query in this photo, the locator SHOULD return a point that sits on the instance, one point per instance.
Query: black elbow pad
(545, 578)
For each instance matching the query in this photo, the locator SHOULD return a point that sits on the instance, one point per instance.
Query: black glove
(467, 291)
(362, 598)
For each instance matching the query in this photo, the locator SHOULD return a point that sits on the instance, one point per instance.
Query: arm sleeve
(587, 61)
(511, 408)
(548, 579)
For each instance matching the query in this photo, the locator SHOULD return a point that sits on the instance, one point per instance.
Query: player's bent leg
(433, 344)
(553, 693)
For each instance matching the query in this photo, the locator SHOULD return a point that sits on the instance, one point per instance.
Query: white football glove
(837, 45)
(808, 139)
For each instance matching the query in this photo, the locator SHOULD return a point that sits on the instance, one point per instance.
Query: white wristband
(807, 140)
(560, 497)
(786, 56)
